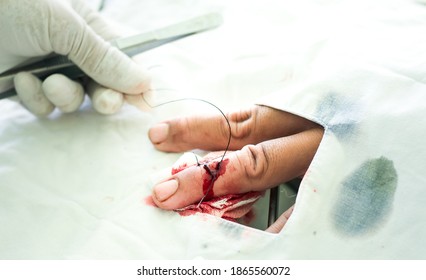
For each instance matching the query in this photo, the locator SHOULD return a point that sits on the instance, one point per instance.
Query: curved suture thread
(205, 166)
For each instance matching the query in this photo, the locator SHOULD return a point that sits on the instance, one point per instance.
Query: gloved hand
(68, 27)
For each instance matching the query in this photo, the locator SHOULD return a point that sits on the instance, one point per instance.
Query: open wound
(230, 206)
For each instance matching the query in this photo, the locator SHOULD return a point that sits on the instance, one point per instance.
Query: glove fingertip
(66, 94)
(30, 92)
(139, 78)
(105, 101)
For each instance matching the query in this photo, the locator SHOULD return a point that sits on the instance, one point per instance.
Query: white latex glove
(31, 28)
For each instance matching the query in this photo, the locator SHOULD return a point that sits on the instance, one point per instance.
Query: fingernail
(159, 133)
(165, 190)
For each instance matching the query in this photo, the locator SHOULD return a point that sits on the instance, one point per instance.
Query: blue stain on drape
(365, 198)
(340, 115)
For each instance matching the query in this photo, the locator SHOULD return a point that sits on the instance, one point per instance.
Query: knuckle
(243, 123)
(256, 163)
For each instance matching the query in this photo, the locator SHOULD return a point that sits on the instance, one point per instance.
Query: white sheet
(73, 186)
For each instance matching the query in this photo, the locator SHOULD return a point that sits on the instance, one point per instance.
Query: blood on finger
(213, 172)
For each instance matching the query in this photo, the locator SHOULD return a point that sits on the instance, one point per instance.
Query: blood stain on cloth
(230, 207)
(365, 198)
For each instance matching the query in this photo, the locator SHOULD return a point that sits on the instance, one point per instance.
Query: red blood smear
(211, 175)
(229, 207)
(179, 168)
(149, 201)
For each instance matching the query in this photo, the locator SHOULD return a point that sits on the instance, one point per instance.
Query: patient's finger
(249, 126)
(66, 94)
(253, 168)
(30, 92)
(281, 221)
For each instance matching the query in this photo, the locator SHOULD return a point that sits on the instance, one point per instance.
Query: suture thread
(205, 166)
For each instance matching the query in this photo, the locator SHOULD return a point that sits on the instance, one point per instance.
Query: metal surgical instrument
(129, 45)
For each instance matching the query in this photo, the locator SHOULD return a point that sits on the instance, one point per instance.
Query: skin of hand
(31, 29)
(268, 147)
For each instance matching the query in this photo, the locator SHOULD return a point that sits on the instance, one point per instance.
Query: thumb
(72, 36)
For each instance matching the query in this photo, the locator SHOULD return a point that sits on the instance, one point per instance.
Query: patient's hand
(268, 146)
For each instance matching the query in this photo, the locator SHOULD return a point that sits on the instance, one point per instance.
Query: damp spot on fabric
(340, 115)
(365, 198)
(231, 231)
